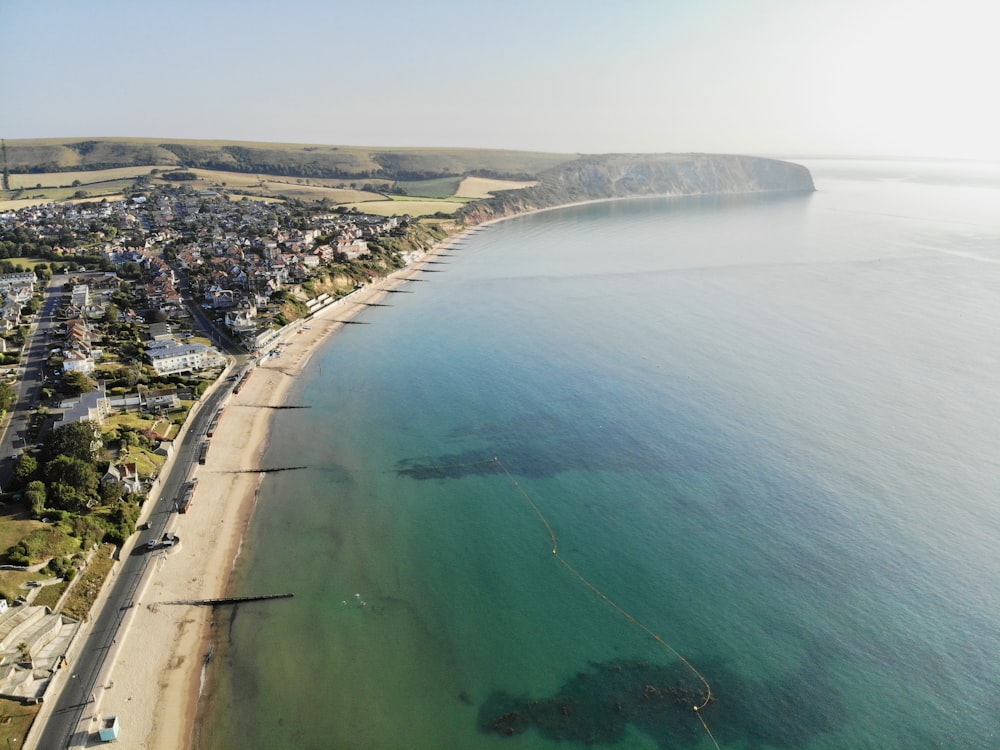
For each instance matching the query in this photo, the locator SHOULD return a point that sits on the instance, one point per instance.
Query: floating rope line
(610, 602)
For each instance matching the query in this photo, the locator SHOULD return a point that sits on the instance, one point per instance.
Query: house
(161, 398)
(242, 318)
(20, 294)
(218, 298)
(77, 361)
(10, 281)
(160, 332)
(10, 311)
(80, 296)
(126, 474)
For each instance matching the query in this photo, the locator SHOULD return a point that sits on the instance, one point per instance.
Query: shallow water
(764, 427)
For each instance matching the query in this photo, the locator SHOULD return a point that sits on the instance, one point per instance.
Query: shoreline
(154, 691)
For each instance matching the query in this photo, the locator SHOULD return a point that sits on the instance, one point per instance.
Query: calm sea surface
(767, 429)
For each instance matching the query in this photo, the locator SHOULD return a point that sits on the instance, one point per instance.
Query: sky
(783, 77)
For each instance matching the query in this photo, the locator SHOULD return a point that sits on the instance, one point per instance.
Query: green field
(439, 188)
(66, 179)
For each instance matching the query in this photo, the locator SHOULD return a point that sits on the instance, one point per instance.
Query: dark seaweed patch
(596, 707)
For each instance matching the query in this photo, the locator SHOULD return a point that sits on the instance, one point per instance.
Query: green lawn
(15, 522)
(15, 720)
(49, 595)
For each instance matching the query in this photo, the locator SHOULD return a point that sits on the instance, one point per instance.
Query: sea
(687, 473)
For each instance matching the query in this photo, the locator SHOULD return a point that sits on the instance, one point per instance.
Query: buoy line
(708, 695)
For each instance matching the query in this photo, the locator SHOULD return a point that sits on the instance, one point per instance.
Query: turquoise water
(764, 427)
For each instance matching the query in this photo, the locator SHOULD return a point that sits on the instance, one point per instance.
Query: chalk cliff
(631, 175)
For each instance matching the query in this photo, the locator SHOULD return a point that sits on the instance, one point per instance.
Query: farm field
(482, 187)
(65, 179)
(440, 187)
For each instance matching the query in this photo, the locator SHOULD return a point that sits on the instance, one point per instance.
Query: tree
(111, 492)
(64, 497)
(35, 495)
(25, 468)
(130, 269)
(79, 440)
(80, 475)
(74, 383)
(7, 396)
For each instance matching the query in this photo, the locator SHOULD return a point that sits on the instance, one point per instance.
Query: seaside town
(117, 316)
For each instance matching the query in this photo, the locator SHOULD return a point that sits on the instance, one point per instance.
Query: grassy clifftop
(291, 160)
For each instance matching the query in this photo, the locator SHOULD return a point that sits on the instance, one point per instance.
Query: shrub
(62, 567)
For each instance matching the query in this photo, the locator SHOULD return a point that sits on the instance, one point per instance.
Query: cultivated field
(66, 179)
(482, 187)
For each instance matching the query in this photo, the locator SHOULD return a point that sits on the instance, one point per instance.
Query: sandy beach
(152, 682)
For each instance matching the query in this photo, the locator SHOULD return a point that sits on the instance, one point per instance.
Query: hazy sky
(864, 77)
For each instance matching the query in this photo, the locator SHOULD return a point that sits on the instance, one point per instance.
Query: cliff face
(627, 175)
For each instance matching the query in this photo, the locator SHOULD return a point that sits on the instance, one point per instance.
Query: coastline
(155, 692)
(154, 681)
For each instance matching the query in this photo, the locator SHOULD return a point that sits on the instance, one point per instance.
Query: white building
(14, 280)
(168, 357)
(80, 296)
(74, 361)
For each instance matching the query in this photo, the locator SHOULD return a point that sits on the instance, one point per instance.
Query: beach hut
(109, 729)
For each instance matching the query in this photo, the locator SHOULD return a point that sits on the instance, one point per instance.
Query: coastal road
(60, 729)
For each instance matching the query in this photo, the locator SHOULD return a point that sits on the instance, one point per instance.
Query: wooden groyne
(265, 471)
(232, 600)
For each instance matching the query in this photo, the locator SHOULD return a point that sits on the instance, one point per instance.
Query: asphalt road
(61, 725)
(33, 358)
